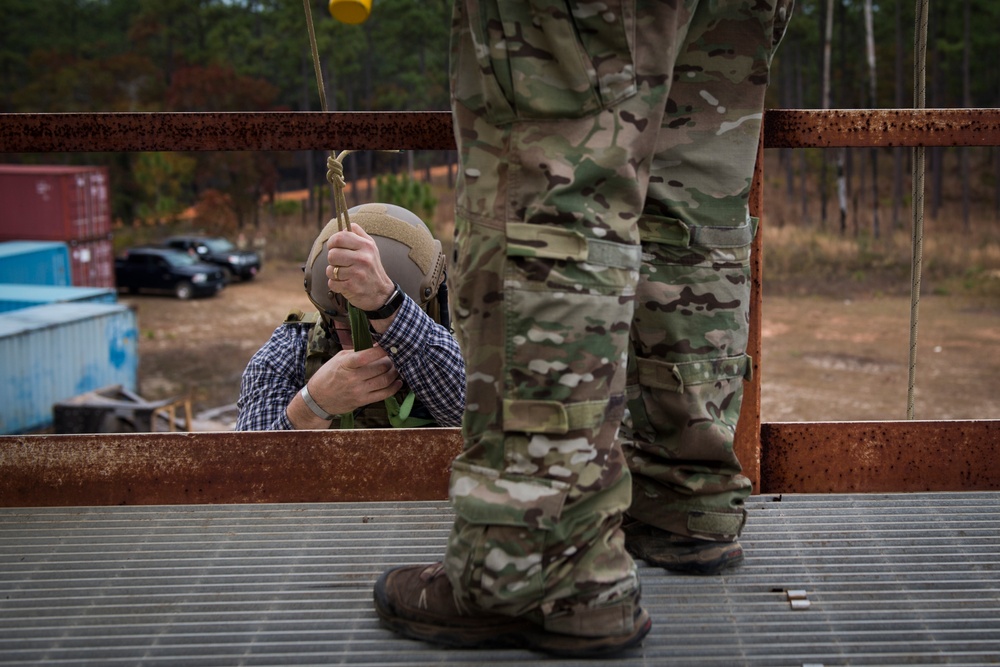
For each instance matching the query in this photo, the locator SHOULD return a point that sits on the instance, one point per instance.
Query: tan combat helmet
(411, 256)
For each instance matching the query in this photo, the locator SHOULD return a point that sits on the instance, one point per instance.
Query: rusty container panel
(54, 202)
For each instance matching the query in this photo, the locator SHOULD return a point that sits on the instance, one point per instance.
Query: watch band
(313, 405)
(390, 307)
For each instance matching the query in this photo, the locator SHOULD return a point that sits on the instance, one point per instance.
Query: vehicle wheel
(183, 290)
(228, 276)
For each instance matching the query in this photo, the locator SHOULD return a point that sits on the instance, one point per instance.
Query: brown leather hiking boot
(417, 601)
(679, 553)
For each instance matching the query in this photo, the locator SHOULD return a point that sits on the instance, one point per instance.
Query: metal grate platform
(893, 579)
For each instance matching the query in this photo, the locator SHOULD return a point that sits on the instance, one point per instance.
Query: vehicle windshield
(180, 259)
(219, 245)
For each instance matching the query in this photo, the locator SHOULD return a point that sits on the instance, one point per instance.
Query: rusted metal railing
(165, 468)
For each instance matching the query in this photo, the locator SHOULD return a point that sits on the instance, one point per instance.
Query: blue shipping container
(35, 263)
(16, 297)
(51, 353)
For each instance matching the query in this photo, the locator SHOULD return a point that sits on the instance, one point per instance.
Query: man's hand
(355, 269)
(346, 382)
(352, 379)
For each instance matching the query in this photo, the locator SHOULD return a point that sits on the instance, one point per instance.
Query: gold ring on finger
(336, 273)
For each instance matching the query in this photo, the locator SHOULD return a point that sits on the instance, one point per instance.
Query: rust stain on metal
(432, 130)
(818, 128)
(870, 457)
(402, 465)
(234, 131)
(226, 467)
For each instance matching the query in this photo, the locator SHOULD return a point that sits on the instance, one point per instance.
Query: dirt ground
(823, 359)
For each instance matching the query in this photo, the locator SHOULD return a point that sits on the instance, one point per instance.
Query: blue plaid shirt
(426, 355)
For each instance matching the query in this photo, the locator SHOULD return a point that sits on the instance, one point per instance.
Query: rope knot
(335, 172)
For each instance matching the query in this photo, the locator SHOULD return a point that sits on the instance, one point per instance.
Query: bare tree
(897, 151)
(826, 25)
(845, 167)
(966, 102)
(873, 92)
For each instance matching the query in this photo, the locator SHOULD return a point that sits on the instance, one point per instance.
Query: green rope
(919, 153)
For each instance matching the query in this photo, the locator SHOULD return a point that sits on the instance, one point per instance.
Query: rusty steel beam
(880, 457)
(226, 467)
(432, 130)
(394, 465)
(817, 128)
(235, 131)
(401, 465)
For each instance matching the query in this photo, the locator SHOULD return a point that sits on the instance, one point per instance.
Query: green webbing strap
(399, 415)
(675, 377)
(526, 240)
(675, 232)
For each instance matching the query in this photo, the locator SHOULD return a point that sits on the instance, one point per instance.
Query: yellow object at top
(352, 12)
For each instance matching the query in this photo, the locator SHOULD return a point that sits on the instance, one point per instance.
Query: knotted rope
(399, 415)
(335, 175)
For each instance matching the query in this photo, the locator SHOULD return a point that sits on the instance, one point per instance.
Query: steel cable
(919, 154)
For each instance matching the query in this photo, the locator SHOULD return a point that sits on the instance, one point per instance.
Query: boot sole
(517, 633)
(725, 561)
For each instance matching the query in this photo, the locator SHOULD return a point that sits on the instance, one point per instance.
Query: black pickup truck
(166, 270)
(238, 264)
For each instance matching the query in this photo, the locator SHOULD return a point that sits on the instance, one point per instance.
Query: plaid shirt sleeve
(426, 355)
(430, 361)
(271, 379)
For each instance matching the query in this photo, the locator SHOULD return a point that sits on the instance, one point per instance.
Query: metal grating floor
(908, 579)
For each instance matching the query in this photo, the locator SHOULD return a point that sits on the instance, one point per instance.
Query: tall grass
(800, 256)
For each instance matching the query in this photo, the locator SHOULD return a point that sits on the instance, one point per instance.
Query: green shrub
(404, 191)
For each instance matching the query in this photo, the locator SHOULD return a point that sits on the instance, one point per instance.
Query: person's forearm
(270, 381)
(430, 361)
(262, 410)
(301, 416)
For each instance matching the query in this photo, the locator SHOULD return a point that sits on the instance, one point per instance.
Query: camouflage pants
(601, 288)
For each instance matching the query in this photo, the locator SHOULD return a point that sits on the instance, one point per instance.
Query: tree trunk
(803, 162)
(897, 151)
(845, 166)
(307, 156)
(788, 101)
(996, 182)
(936, 154)
(826, 29)
(873, 96)
(967, 103)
